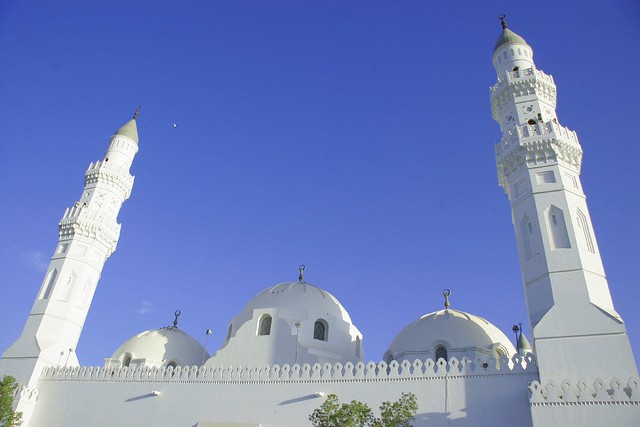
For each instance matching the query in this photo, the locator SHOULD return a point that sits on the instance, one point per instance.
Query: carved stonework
(616, 392)
(533, 145)
(419, 369)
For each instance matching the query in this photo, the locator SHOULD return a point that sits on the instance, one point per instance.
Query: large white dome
(449, 333)
(292, 322)
(160, 347)
(297, 294)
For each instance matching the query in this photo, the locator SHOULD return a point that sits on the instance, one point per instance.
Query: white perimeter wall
(447, 396)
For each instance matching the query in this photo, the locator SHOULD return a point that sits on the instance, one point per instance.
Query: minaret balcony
(537, 144)
(103, 171)
(519, 83)
(517, 77)
(81, 220)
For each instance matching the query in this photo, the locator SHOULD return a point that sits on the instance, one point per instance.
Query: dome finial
(301, 270)
(445, 294)
(135, 115)
(502, 21)
(175, 321)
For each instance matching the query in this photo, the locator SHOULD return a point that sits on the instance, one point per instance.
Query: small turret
(511, 52)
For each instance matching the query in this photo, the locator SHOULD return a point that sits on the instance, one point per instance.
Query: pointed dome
(508, 37)
(523, 345)
(130, 130)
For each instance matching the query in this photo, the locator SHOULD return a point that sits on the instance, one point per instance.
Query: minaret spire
(574, 325)
(88, 235)
(503, 23)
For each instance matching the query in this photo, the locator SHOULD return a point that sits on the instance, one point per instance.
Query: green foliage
(358, 414)
(8, 417)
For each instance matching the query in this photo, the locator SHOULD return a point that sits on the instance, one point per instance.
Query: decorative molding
(105, 172)
(532, 145)
(515, 84)
(371, 371)
(27, 394)
(583, 393)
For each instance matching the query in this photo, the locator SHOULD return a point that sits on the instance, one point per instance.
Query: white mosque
(463, 370)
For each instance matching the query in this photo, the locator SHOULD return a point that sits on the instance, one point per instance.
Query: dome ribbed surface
(506, 37)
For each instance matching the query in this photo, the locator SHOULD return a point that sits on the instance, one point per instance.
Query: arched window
(265, 325)
(526, 230)
(441, 353)
(172, 364)
(531, 122)
(126, 361)
(320, 330)
(557, 228)
(586, 242)
(49, 287)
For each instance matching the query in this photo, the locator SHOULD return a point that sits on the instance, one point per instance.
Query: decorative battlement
(79, 220)
(540, 143)
(106, 172)
(327, 372)
(587, 394)
(515, 84)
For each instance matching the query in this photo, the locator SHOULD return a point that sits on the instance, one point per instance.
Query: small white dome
(160, 347)
(292, 322)
(454, 333)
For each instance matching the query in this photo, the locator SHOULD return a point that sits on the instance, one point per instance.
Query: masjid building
(462, 369)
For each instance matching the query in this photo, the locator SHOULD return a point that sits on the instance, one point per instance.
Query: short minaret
(89, 233)
(576, 331)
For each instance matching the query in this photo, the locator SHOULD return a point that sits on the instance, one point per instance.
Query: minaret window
(49, 287)
(126, 361)
(531, 122)
(265, 325)
(441, 353)
(587, 242)
(320, 330)
(526, 229)
(557, 228)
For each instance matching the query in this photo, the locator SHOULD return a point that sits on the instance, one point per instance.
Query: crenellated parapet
(371, 371)
(116, 175)
(537, 144)
(82, 221)
(519, 84)
(616, 392)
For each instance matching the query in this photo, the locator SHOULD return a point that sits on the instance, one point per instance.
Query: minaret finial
(175, 321)
(135, 115)
(502, 21)
(445, 294)
(301, 270)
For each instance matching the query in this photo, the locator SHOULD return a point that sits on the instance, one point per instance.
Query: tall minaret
(89, 232)
(576, 331)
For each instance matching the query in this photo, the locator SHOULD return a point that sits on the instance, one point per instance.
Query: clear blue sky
(352, 136)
